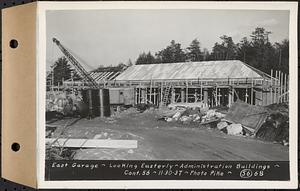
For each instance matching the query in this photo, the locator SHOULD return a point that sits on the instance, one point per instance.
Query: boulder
(177, 115)
(235, 129)
(221, 125)
(169, 119)
(185, 119)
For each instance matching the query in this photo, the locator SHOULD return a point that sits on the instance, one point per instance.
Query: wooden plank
(92, 143)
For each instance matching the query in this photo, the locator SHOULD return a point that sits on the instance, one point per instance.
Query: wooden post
(271, 89)
(187, 92)
(276, 86)
(135, 95)
(90, 103)
(281, 85)
(233, 93)
(229, 97)
(161, 93)
(216, 96)
(252, 94)
(101, 103)
(173, 95)
(182, 95)
(143, 95)
(150, 91)
(246, 95)
(201, 93)
(140, 93)
(219, 96)
(195, 95)
(285, 88)
(205, 95)
(154, 98)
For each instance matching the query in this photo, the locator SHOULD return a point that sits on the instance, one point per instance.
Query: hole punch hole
(15, 147)
(13, 43)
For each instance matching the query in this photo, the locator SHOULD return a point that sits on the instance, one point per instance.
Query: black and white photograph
(167, 85)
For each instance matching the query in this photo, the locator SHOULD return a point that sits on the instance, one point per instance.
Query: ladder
(166, 95)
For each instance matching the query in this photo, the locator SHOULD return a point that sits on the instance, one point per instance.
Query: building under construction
(213, 82)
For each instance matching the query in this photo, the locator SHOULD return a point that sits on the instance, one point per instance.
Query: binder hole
(13, 43)
(15, 147)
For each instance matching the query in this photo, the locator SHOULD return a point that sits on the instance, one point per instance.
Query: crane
(82, 72)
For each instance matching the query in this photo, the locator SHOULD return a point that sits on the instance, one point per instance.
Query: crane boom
(82, 72)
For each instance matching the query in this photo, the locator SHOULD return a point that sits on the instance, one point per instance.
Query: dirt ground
(160, 140)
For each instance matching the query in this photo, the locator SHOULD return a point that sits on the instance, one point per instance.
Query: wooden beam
(92, 143)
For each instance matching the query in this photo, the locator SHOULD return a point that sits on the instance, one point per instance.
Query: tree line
(255, 50)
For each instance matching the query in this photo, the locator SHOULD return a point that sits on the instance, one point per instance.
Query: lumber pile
(91, 143)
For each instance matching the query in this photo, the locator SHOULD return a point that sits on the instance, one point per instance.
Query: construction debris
(190, 112)
(197, 105)
(234, 129)
(250, 116)
(221, 125)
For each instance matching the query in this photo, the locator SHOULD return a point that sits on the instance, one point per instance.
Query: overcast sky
(108, 37)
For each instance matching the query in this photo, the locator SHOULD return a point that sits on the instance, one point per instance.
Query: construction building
(215, 83)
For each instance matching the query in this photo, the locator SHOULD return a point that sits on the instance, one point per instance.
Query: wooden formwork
(256, 91)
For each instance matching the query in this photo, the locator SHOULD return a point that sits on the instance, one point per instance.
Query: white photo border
(166, 184)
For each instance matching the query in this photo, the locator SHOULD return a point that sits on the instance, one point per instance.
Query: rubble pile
(187, 113)
(270, 123)
(120, 111)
